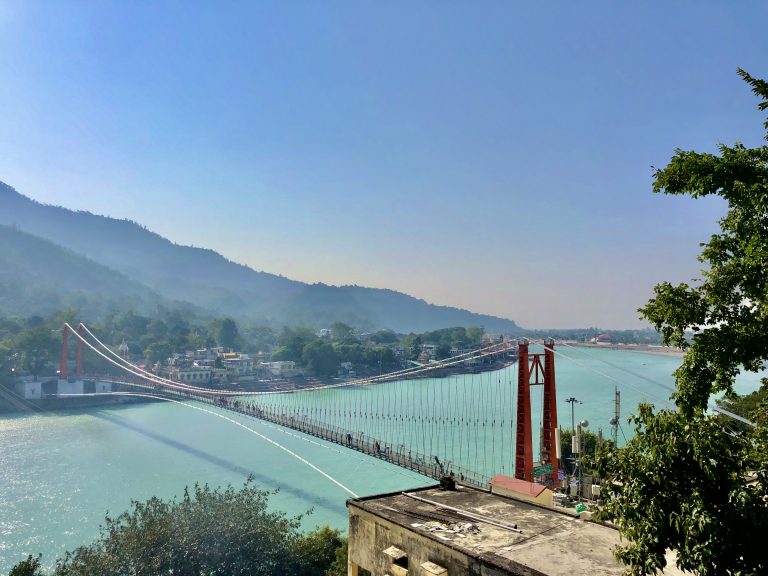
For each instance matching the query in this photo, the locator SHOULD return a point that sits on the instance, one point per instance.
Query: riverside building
(433, 532)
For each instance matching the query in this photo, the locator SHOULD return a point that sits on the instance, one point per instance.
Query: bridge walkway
(398, 455)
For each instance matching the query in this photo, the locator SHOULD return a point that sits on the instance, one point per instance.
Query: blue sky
(490, 155)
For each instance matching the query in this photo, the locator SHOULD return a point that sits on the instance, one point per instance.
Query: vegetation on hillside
(688, 480)
(31, 344)
(226, 532)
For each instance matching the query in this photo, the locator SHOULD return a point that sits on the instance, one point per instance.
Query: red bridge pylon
(532, 372)
(63, 369)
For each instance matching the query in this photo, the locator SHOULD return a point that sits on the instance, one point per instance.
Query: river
(62, 472)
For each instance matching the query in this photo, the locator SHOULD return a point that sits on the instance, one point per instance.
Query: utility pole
(572, 401)
(616, 416)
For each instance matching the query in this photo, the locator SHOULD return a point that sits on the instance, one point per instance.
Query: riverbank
(644, 348)
(58, 404)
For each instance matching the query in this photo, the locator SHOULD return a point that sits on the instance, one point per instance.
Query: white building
(29, 390)
(192, 375)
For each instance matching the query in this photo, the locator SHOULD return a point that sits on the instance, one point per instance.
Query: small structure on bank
(521, 489)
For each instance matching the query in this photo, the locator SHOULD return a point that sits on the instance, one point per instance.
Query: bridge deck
(398, 455)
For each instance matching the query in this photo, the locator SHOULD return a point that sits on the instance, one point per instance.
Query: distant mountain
(40, 277)
(207, 279)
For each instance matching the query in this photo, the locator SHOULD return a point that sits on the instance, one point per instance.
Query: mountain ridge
(209, 280)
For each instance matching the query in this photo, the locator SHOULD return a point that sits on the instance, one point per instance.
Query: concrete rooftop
(549, 542)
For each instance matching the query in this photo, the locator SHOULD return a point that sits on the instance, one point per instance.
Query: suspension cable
(231, 420)
(710, 405)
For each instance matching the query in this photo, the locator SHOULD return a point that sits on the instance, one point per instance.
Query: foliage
(343, 333)
(684, 481)
(291, 343)
(28, 567)
(745, 406)
(226, 532)
(324, 548)
(457, 336)
(321, 358)
(38, 347)
(227, 333)
(384, 337)
(646, 336)
(589, 439)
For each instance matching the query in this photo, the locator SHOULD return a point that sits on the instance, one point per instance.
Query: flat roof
(517, 485)
(507, 533)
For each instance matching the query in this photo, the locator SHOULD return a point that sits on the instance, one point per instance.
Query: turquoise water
(60, 473)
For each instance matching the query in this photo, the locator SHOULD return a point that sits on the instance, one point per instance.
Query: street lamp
(579, 442)
(572, 401)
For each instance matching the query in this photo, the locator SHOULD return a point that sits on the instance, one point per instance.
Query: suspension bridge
(471, 426)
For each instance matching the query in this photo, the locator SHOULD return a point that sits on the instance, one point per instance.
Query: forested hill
(207, 279)
(38, 277)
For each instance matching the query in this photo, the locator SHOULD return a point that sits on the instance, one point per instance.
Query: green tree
(28, 567)
(291, 343)
(746, 406)
(412, 344)
(475, 335)
(687, 481)
(443, 351)
(158, 351)
(259, 338)
(589, 440)
(319, 548)
(38, 346)
(210, 531)
(227, 334)
(339, 565)
(384, 337)
(321, 358)
(343, 333)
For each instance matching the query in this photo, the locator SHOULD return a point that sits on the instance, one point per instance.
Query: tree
(37, 346)
(227, 334)
(687, 481)
(589, 440)
(158, 352)
(321, 358)
(210, 531)
(343, 333)
(291, 343)
(28, 567)
(443, 351)
(412, 344)
(319, 548)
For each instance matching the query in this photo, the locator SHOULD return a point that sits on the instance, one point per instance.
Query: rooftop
(504, 532)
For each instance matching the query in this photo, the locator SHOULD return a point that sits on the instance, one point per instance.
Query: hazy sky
(490, 155)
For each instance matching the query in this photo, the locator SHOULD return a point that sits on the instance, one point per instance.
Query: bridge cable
(710, 405)
(479, 353)
(236, 423)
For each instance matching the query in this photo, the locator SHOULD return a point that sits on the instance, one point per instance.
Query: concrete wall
(370, 535)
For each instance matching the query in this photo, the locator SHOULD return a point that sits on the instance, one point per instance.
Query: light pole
(572, 401)
(580, 442)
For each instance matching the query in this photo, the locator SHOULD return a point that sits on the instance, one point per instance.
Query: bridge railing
(399, 455)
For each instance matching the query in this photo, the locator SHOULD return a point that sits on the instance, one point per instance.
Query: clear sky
(490, 155)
